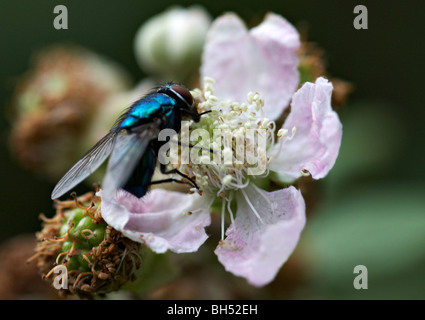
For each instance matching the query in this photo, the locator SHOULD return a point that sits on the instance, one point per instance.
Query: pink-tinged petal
(163, 220)
(315, 145)
(256, 249)
(261, 60)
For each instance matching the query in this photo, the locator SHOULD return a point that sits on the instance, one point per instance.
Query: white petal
(163, 220)
(262, 60)
(315, 145)
(256, 249)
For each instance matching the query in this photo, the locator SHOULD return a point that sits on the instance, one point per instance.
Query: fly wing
(86, 165)
(128, 150)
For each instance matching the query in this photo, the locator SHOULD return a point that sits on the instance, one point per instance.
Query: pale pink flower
(267, 225)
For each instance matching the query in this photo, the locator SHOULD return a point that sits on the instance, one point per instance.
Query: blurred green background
(371, 208)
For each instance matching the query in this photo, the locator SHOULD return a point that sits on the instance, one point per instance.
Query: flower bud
(169, 45)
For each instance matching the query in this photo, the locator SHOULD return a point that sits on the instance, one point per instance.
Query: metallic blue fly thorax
(147, 108)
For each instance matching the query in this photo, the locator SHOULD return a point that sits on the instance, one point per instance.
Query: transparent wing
(86, 165)
(128, 150)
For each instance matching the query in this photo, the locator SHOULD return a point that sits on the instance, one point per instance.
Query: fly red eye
(184, 93)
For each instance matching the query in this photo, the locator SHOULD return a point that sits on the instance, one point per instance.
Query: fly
(132, 145)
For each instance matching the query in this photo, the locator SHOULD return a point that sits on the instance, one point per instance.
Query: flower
(255, 76)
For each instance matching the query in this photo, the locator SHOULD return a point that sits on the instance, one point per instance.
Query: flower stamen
(223, 210)
(251, 206)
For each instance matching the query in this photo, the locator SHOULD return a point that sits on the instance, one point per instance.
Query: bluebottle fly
(132, 145)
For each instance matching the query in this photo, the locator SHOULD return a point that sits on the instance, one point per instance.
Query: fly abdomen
(139, 181)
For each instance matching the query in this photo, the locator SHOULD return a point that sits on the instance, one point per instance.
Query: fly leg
(175, 171)
(194, 115)
(166, 181)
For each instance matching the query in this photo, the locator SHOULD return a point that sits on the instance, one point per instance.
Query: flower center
(229, 144)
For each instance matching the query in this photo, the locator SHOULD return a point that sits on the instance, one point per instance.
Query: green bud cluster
(83, 234)
(98, 259)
